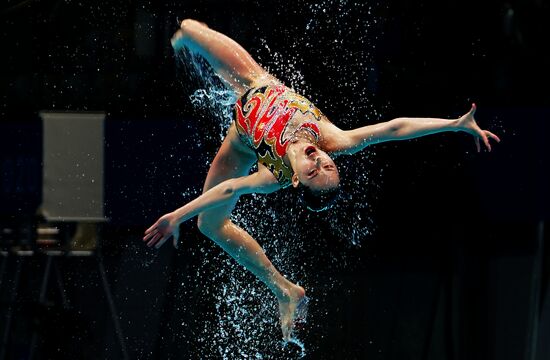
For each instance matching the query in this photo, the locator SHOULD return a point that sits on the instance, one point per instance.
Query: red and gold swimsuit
(267, 117)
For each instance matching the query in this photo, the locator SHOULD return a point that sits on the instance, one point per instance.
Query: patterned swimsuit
(267, 117)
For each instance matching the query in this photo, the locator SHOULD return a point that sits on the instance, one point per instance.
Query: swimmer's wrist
(454, 125)
(177, 217)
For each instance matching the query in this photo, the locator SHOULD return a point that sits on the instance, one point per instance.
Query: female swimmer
(290, 140)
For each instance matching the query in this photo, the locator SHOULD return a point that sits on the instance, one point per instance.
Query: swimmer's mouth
(310, 150)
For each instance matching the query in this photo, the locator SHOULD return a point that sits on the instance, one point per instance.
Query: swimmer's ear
(295, 180)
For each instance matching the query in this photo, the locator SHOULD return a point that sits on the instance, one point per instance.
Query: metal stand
(114, 313)
(52, 261)
(42, 297)
(9, 314)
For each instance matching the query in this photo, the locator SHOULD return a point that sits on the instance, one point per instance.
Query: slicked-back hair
(318, 201)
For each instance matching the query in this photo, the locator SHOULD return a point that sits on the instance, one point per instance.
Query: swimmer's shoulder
(331, 137)
(264, 181)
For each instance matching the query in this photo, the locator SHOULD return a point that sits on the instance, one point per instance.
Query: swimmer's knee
(188, 35)
(202, 224)
(190, 25)
(208, 228)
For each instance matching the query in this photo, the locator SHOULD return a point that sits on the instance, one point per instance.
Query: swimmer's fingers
(492, 136)
(162, 240)
(176, 238)
(154, 239)
(472, 110)
(157, 239)
(480, 134)
(149, 233)
(486, 135)
(468, 124)
(467, 121)
(153, 227)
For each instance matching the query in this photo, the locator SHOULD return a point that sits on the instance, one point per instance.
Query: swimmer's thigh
(229, 59)
(234, 159)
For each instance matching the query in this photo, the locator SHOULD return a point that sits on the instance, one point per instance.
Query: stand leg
(41, 300)
(114, 315)
(60, 285)
(3, 269)
(45, 279)
(9, 314)
(535, 306)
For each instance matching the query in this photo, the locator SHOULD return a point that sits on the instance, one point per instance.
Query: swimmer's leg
(229, 59)
(234, 159)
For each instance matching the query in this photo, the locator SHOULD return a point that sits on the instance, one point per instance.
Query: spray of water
(245, 321)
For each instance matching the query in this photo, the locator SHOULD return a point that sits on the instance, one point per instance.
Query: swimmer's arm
(404, 128)
(348, 142)
(261, 181)
(167, 226)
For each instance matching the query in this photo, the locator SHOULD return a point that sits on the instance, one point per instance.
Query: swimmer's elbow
(229, 189)
(397, 129)
(393, 128)
(235, 188)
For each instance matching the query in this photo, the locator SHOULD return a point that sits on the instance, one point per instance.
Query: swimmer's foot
(292, 309)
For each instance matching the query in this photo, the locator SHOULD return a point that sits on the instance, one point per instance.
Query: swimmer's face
(314, 169)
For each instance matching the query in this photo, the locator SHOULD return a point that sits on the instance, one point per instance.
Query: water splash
(212, 99)
(297, 342)
(216, 98)
(245, 314)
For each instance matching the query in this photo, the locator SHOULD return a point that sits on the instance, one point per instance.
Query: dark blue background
(448, 270)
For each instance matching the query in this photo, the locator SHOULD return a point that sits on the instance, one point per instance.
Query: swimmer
(292, 143)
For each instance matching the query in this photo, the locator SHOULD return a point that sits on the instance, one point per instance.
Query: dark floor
(461, 301)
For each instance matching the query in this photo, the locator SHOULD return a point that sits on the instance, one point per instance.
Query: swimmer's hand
(468, 124)
(165, 227)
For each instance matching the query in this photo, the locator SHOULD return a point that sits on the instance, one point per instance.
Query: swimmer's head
(315, 174)
(318, 200)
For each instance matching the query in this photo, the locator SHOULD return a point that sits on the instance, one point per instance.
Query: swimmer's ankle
(290, 292)
(284, 289)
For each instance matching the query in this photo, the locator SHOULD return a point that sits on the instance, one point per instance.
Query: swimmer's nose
(318, 162)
